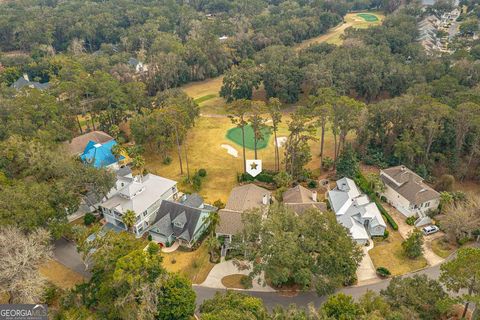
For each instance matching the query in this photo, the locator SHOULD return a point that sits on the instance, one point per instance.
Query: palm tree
(212, 220)
(238, 110)
(138, 162)
(273, 108)
(129, 218)
(118, 150)
(212, 244)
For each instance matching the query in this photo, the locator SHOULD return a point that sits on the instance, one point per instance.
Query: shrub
(246, 282)
(383, 272)
(327, 163)
(167, 160)
(386, 234)
(463, 240)
(202, 173)
(197, 182)
(88, 219)
(411, 220)
(149, 237)
(312, 184)
(219, 204)
(383, 198)
(173, 261)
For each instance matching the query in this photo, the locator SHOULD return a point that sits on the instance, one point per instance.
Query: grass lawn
(442, 247)
(235, 134)
(368, 17)
(388, 253)
(355, 20)
(234, 281)
(205, 98)
(205, 151)
(194, 265)
(60, 275)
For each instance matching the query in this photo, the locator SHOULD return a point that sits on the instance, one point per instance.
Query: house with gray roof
(137, 65)
(241, 199)
(355, 212)
(141, 194)
(408, 193)
(184, 221)
(299, 199)
(24, 81)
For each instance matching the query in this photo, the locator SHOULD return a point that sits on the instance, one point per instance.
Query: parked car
(430, 230)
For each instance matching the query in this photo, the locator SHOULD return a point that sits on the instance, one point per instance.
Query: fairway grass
(235, 134)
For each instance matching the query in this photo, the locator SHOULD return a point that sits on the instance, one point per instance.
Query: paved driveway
(66, 253)
(366, 270)
(404, 229)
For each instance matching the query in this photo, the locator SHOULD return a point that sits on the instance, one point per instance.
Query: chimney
(265, 199)
(314, 196)
(25, 76)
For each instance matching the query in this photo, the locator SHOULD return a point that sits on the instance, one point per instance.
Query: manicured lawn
(442, 247)
(234, 281)
(368, 17)
(205, 98)
(194, 265)
(235, 134)
(203, 88)
(60, 275)
(334, 35)
(389, 254)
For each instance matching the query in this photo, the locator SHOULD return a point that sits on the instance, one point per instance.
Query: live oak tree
(22, 255)
(463, 273)
(462, 218)
(234, 306)
(239, 81)
(412, 246)
(312, 250)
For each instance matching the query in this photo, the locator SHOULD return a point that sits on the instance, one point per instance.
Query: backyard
(59, 275)
(388, 253)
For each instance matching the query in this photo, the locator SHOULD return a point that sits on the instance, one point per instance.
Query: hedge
(363, 185)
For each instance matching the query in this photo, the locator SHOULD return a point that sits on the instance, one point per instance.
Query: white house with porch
(141, 194)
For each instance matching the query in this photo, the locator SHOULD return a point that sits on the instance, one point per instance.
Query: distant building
(141, 194)
(300, 199)
(355, 212)
(406, 191)
(24, 81)
(137, 65)
(100, 155)
(77, 145)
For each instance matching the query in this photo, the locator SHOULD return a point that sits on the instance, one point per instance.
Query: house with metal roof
(355, 212)
(141, 194)
(184, 221)
(408, 193)
(100, 155)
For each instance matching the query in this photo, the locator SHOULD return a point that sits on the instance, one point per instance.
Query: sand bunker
(230, 150)
(281, 141)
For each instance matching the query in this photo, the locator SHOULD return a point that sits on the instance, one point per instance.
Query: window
(427, 204)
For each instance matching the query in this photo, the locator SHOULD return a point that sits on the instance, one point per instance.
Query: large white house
(143, 195)
(406, 191)
(355, 212)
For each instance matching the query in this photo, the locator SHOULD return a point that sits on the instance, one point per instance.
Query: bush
(383, 198)
(167, 160)
(149, 237)
(312, 184)
(88, 219)
(386, 234)
(197, 182)
(246, 282)
(463, 240)
(173, 261)
(411, 220)
(219, 204)
(327, 163)
(383, 272)
(202, 173)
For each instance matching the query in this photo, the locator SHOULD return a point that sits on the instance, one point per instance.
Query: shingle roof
(230, 222)
(78, 144)
(176, 218)
(298, 194)
(300, 208)
(408, 184)
(246, 197)
(193, 200)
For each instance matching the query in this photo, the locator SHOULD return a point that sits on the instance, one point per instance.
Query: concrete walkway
(226, 268)
(366, 270)
(172, 248)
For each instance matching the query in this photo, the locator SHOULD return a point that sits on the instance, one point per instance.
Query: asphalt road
(66, 253)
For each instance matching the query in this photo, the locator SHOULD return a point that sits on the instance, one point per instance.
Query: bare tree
(462, 219)
(21, 256)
